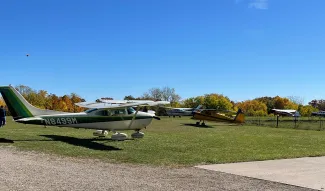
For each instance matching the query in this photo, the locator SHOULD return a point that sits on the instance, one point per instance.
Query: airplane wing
(120, 105)
(285, 111)
(124, 101)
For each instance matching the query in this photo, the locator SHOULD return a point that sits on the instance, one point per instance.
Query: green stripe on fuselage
(15, 106)
(73, 119)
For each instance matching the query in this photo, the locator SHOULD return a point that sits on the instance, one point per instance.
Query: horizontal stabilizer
(29, 119)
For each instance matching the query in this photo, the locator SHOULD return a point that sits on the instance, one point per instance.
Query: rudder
(19, 106)
(15, 105)
(240, 117)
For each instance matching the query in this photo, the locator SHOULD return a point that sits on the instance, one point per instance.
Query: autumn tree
(68, 106)
(217, 101)
(284, 103)
(306, 110)
(210, 101)
(253, 108)
(43, 100)
(199, 100)
(75, 98)
(2, 102)
(268, 101)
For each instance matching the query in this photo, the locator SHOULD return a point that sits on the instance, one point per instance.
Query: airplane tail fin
(18, 105)
(197, 109)
(240, 116)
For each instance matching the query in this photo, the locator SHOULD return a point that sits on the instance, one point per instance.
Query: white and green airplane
(112, 115)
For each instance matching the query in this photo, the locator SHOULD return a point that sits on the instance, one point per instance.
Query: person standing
(2, 116)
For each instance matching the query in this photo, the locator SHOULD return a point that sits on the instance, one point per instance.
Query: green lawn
(171, 142)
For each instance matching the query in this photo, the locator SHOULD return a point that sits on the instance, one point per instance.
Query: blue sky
(240, 48)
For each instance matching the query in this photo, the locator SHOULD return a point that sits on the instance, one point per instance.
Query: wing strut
(134, 116)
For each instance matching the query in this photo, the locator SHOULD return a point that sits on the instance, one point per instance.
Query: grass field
(171, 142)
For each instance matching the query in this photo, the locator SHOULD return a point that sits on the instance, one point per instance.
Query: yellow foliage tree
(217, 101)
(2, 102)
(284, 103)
(306, 110)
(253, 108)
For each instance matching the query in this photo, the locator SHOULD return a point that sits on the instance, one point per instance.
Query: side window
(118, 112)
(103, 113)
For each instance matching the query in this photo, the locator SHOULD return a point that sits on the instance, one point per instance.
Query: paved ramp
(306, 172)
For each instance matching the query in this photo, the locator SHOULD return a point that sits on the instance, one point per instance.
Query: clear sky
(240, 48)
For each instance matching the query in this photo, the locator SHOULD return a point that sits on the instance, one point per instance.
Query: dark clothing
(2, 117)
(2, 112)
(2, 121)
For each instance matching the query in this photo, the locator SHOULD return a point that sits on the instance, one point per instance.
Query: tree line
(44, 100)
(260, 106)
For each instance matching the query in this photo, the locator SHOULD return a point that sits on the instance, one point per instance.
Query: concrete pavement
(308, 172)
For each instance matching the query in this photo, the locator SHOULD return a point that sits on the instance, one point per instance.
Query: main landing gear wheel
(137, 135)
(119, 136)
(100, 133)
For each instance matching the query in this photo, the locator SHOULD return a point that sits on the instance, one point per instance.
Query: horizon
(242, 49)
(305, 102)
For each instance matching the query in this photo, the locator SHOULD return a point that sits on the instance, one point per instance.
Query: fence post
(320, 123)
(277, 121)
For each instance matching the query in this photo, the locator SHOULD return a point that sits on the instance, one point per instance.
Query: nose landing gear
(117, 136)
(137, 135)
(100, 133)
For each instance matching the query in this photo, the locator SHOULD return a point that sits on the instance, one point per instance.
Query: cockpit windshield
(131, 110)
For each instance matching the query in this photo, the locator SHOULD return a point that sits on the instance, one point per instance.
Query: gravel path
(36, 171)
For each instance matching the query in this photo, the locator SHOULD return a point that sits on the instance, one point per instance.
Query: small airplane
(286, 112)
(179, 112)
(104, 116)
(217, 116)
(318, 113)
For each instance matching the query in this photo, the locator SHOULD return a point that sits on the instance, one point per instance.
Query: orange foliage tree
(253, 108)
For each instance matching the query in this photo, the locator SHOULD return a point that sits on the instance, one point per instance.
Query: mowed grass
(171, 142)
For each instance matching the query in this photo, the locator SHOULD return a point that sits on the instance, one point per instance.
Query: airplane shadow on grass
(87, 143)
(195, 125)
(4, 140)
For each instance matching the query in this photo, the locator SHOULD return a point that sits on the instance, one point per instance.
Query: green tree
(189, 102)
(217, 101)
(319, 104)
(129, 97)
